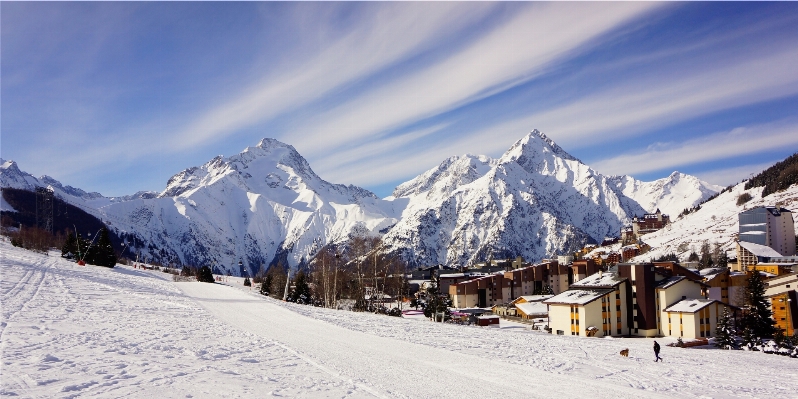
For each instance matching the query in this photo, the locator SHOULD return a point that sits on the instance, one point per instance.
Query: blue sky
(118, 97)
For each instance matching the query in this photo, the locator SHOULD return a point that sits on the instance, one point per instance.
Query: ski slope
(70, 331)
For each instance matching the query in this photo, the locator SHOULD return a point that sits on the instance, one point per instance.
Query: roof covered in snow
(533, 308)
(602, 280)
(534, 298)
(670, 281)
(710, 272)
(760, 250)
(689, 305)
(578, 296)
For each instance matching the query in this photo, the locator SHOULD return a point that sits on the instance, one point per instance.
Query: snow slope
(71, 331)
(671, 194)
(716, 222)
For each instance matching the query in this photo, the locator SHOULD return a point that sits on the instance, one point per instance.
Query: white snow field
(72, 331)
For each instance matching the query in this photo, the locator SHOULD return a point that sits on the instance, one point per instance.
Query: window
(618, 307)
(560, 332)
(619, 331)
(619, 319)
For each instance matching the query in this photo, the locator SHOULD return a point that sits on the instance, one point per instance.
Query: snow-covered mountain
(266, 205)
(715, 223)
(671, 194)
(535, 201)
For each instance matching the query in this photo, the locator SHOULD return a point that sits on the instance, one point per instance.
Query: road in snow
(72, 331)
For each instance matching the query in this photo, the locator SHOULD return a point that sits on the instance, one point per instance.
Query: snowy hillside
(266, 205)
(535, 201)
(70, 331)
(715, 222)
(671, 194)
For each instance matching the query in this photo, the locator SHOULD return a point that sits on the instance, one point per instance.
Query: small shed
(487, 320)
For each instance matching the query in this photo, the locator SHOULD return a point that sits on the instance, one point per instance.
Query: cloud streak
(509, 55)
(723, 145)
(392, 34)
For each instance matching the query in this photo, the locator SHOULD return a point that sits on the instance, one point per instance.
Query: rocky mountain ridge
(266, 206)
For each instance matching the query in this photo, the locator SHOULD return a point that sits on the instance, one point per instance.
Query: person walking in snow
(656, 351)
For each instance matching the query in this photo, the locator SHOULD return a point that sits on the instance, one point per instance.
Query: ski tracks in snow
(391, 366)
(89, 331)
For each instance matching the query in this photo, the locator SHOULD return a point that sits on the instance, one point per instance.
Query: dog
(625, 352)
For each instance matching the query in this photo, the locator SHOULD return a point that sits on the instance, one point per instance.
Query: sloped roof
(759, 250)
(690, 305)
(670, 281)
(711, 272)
(599, 280)
(533, 298)
(532, 308)
(578, 296)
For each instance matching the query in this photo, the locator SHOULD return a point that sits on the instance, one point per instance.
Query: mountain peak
(536, 152)
(268, 143)
(450, 174)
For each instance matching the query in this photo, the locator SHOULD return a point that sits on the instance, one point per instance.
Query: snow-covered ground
(717, 222)
(71, 331)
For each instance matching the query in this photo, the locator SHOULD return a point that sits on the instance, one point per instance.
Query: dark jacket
(656, 347)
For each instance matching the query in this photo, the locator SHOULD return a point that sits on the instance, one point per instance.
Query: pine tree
(759, 318)
(722, 260)
(70, 247)
(266, 285)
(693, 257)
(750, 340)
(103, 252)
(205, 275)
(301, 292)
(724, 332)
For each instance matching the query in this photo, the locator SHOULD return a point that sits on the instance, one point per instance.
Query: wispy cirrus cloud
(391, 34)
(735, 143)
(639, 104)
(378, 92)
(510, 54)
(733, 175)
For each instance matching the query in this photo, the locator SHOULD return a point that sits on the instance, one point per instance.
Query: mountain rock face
(263, 206)
(266, 206)
(671, 194)
(534, 201)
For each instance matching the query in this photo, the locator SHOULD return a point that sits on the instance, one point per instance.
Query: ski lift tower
(44, 209)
